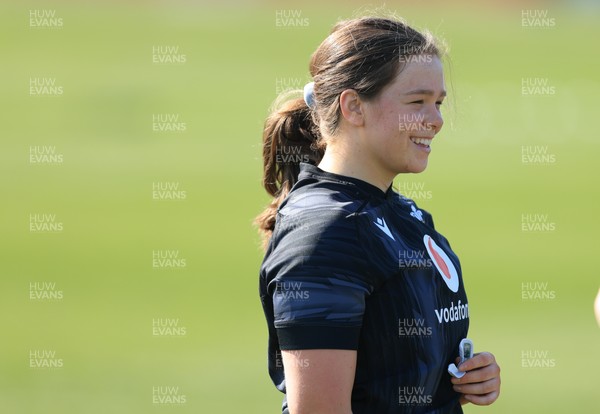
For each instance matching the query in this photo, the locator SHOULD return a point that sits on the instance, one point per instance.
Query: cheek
(396, 132)
(391, 141)
(410, 120)
(389, 119)
(387, 134)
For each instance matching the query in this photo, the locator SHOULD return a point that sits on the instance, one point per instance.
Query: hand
(481, 383)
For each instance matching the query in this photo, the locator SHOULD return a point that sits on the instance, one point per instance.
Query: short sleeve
(319, 282)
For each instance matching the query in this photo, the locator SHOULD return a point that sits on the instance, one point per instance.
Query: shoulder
(319, 206)
(316, 230)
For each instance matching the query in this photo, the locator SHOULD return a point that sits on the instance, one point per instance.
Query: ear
(351, 107)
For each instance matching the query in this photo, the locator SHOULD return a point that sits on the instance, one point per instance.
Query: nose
(433, 120)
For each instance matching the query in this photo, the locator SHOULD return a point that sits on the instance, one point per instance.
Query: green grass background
(235, 54)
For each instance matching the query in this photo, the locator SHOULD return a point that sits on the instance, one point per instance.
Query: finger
(478, 375)
(480, 388)
(479, 360)
(486, 399)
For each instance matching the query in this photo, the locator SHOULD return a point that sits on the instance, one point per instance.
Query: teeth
(424, 141)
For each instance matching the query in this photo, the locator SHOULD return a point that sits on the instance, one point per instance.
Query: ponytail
(290, 136)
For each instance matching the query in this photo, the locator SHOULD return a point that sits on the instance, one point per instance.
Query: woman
(363, 298)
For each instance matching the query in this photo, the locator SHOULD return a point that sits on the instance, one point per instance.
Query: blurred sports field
(130, 175)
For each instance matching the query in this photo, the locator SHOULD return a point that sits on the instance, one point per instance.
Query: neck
(351, 164)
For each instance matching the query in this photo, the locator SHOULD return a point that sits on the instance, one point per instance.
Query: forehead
(424, 72)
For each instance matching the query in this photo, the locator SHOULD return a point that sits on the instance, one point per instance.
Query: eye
(417, 102)
(439, 103)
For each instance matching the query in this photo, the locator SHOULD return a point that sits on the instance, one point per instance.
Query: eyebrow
(424, 92)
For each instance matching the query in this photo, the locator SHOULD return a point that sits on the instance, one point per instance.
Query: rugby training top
(352, 267)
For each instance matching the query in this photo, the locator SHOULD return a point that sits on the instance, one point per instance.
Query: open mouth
(422, 142)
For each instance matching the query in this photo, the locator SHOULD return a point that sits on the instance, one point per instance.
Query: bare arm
(319, 381)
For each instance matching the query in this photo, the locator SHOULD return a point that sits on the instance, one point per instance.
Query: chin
(417, 168)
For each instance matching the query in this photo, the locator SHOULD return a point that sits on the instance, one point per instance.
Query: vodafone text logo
(453, 312)
(442, 262)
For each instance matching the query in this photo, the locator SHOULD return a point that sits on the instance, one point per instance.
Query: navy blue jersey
(352, 267)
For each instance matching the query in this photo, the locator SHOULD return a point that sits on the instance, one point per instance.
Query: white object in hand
(465, 351)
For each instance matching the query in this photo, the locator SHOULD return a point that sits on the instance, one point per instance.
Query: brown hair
(364, 54)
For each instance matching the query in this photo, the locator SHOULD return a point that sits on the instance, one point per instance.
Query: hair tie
(309, 94)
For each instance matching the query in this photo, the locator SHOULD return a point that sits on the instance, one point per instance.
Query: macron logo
(380, 222)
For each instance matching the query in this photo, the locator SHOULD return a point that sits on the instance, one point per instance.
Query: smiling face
(402, 120)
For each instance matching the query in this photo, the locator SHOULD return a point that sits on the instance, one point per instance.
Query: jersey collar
(312, 171)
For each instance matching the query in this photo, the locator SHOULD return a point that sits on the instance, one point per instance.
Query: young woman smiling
(363, 297)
